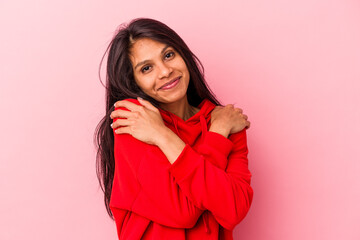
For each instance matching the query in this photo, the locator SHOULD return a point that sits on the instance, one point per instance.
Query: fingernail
(111, 125)
(140, 98)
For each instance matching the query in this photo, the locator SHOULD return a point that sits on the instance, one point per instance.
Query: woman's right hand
(228, 120)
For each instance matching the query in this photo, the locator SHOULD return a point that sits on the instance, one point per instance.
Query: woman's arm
(224, 192)
(157, 195)
(202, 176)
(214, 179)
(221, 186)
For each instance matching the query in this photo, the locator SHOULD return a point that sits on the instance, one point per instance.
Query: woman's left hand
(142, 122)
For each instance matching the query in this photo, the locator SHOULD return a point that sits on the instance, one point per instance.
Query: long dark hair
(120, 84)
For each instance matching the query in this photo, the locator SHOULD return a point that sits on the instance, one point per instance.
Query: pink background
(293, 66)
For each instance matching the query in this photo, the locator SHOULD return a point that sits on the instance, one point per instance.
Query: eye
(145, 69)
(169, 54)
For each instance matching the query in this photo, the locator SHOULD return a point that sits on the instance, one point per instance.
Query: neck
(181, 109)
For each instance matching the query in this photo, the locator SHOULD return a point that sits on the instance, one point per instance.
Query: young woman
(171, 160)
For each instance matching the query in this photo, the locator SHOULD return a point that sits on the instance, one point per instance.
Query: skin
(162, 64)
(154, 65)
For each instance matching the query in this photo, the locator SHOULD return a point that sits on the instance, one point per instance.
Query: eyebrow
(162, 51)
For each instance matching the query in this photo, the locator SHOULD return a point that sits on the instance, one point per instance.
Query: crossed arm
(176, 187)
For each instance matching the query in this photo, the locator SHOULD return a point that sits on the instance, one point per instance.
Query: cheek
(139, 83)
(184, 67)
(144, 84)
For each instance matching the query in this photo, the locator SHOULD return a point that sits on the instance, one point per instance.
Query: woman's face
(159, 71)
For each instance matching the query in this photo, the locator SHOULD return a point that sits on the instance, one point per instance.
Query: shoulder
(132, 100)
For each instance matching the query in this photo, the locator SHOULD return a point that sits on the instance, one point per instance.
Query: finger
(123, 130)
(230, 105)
(129, 105)
(239, 110)
(245, 116)
(218, 108)
(121, 123)
(119, 113)
(247, 125)
(147, 104)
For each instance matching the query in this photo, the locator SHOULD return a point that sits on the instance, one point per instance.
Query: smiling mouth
(169, 83)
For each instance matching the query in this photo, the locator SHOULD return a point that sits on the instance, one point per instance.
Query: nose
(164, 70)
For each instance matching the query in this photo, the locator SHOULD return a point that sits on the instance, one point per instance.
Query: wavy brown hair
(120, 84)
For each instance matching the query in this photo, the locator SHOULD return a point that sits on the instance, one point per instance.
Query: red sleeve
(223, 189)
(216, 149)
(159, 197)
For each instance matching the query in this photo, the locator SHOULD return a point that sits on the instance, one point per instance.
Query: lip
(169, 83)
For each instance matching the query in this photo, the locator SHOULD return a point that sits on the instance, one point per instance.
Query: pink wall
(293, 66)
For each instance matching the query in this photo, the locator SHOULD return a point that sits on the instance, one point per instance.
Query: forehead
(145, 48)
(143, 45)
